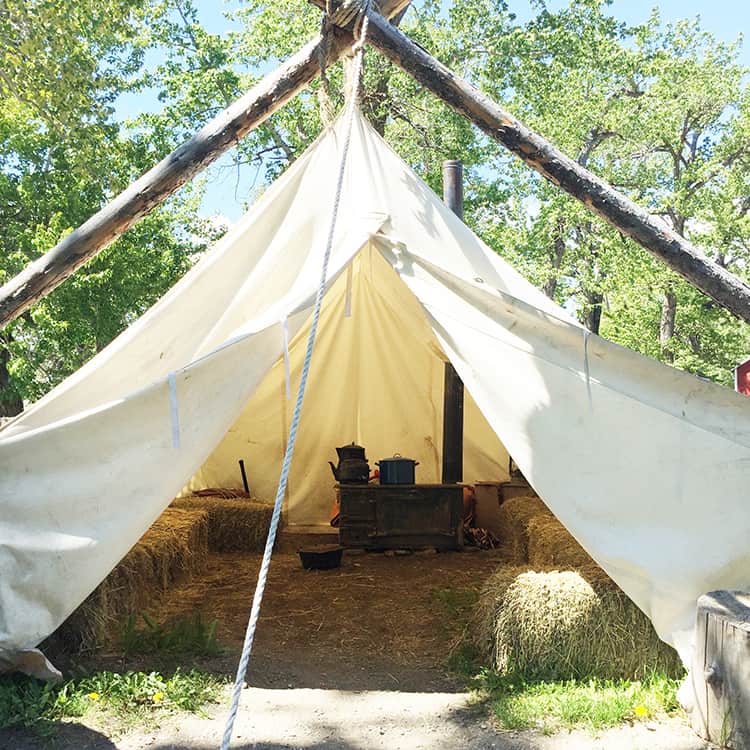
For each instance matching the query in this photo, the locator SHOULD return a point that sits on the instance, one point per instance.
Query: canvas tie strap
(174, 409)
(586, 370)
(287, 367)
(283, 479)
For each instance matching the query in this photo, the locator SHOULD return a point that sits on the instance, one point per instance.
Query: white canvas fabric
(644, 464)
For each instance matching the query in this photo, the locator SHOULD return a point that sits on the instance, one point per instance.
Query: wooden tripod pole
(632, 220)
(155, 186)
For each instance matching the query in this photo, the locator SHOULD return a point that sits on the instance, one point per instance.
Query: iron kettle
(352, 467)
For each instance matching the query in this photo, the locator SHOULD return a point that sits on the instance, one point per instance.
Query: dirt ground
(378, 622)
(347, 659)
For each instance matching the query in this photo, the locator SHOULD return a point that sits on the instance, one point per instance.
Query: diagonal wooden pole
(649, 231)
(155, 186)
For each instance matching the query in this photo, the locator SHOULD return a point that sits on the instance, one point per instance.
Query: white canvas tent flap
(644, 464)
(85, 471)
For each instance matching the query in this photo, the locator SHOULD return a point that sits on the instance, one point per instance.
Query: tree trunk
(373, 104)
(632, 220)
(550, 287)
(666, 325)
(10, 402)
(592, 317)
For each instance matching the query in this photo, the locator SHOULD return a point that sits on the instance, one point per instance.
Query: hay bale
(124, 591)
(234, 524)
(557, 625)
(513, 519)
(177, 543)
(551, 545)
(173, 549)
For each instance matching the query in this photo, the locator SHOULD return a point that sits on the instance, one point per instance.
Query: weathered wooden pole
(632, 220)
(453, 388)
(155, 186)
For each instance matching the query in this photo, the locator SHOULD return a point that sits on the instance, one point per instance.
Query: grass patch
(592, 704)
(186, 635)
(455, 608)
(464, 659)
(128, 698)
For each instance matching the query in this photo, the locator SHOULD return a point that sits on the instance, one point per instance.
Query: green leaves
(51, 52)
(661, 111)
(62, 156)
(131, 697)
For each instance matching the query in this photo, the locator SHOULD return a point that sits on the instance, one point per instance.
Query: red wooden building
(742, 378)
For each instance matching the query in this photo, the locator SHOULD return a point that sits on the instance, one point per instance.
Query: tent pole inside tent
(453, 392)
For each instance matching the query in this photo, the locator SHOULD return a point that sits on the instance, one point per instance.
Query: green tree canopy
(660, 110)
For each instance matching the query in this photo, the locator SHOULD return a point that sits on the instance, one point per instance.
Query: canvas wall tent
(644, 464)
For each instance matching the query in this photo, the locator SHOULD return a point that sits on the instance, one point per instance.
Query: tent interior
(377, 379)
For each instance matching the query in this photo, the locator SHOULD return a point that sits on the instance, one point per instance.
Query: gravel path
(310, 719)
(314, 719)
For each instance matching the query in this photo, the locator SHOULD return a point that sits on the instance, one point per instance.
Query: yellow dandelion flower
(157, 697)
(641, 711)
(94, 696)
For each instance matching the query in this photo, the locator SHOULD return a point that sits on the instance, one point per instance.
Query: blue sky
(726, 19)
(723, 18)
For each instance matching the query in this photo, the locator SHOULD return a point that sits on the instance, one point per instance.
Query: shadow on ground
(64, 735)
(374, 674)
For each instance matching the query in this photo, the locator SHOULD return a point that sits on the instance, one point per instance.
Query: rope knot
(347, 10)
(342, 14)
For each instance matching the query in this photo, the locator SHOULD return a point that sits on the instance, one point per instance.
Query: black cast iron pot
(321, 557)
(397, 470)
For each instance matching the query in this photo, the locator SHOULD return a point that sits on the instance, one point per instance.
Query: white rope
(252, 624)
